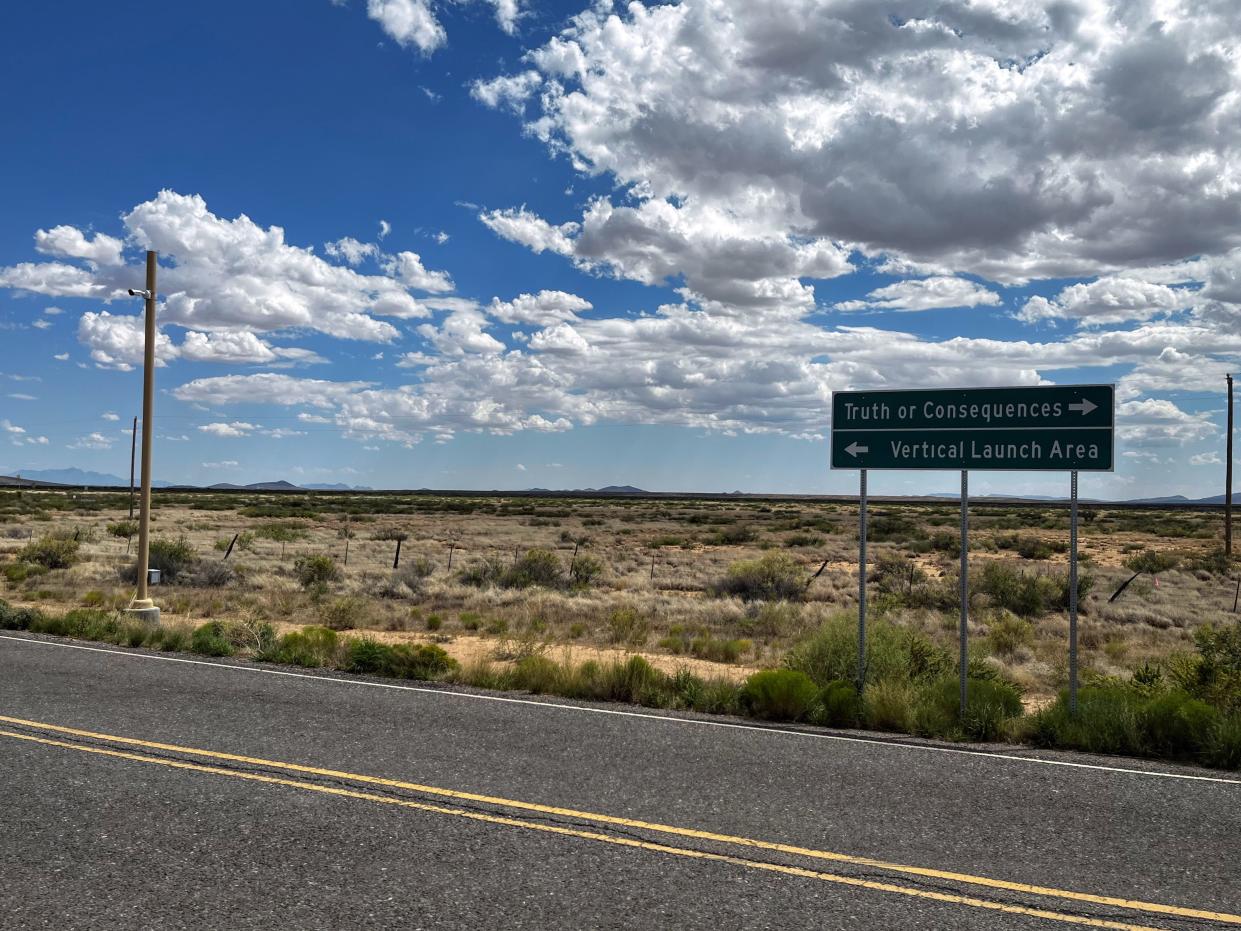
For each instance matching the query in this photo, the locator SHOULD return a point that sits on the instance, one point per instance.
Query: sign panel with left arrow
(1044, 428)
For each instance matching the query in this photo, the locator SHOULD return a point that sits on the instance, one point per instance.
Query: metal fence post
(1073, 592)
(861, 586)
(965, 587)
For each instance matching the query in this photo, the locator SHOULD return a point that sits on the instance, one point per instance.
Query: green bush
(990, 705)
(484, 572)
(211, 639)
(17, 618)
(17, 572)
(586, 570)
(50, 552)
(1223, 746)
(840, 704)
(125, 530)
(888, 705)
(1122, 719)
(172, 558)
(1028, 594)
(626, 626)
(1151, 562)
(537, 567)
(316, 571)
(1214, 674)
(773, 577)
(402, 661)
(892, 652)
(1007, 633)
(344, 613)
(310, 647)
(779, 695)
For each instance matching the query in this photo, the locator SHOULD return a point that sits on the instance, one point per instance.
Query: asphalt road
(139, 792)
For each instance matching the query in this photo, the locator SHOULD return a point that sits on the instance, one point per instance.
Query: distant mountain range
(605, 490)
(84, 477)
(81, 477)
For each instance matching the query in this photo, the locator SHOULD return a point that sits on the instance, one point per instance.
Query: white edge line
(633, 714)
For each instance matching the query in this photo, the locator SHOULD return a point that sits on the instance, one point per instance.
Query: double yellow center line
(670, 831)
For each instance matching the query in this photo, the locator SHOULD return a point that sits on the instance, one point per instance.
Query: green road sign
(1053, 428)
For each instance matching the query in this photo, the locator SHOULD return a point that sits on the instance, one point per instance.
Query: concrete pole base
(144, 611)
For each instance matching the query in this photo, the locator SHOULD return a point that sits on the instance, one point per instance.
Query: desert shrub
(733, 536)
(211, 575)
(172, 558)
(211, 639)
(470, 620)
(483, 572)
(635, 681)
(626, 626)
(390, 534)
(840, 704)
(895, 528)
(1151, 562)
(414, 572)
(586, 570)
(1028, 594)
(402, 661)
(773, 577)
(1214, 562)
(1223, 746)
(990, 705)
(17, 618)
(1007, 633)
(770, 619)
(171, 637)
(125, 529)
(779, 695)
(1214, 673)
(277, 532)
(892, 652)
(344, 613)
(309, 647)
(421, 661)
(536, 567)
(50, 552)
(1118, 718)
(16, 573)
(720, 650)
(245, 542)
(316, 572)
(538, 674)
(94, 599)
(802, 539)
(434, 622)
(888, 705)
(1035, 548)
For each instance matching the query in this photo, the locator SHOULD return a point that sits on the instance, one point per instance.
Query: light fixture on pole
(143, 607)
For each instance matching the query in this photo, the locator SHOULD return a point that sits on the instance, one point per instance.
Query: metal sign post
(965, 588)
(1067, 428)
(1073, 593)
(861, 586)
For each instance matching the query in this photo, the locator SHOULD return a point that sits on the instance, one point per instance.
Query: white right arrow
(853, 449)
(1084, 406)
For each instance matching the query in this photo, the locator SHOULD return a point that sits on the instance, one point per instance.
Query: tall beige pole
(142, 602)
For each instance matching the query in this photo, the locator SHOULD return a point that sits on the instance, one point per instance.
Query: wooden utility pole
(142, 602)
(1228, 478)
(133, 452)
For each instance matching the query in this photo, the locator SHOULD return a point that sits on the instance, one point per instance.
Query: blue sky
(496, 244)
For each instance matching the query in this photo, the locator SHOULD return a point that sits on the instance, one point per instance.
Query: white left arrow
(853, 449)
(1084, 406)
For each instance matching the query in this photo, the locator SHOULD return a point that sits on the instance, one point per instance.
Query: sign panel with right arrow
(1044, 428)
